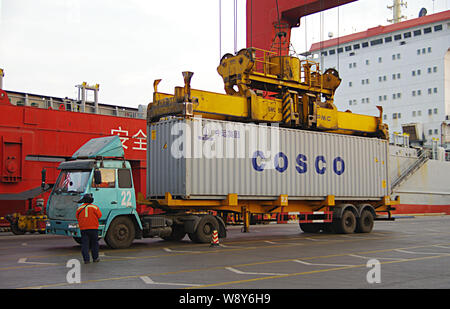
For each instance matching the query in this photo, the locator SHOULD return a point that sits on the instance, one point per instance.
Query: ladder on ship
(423, 157)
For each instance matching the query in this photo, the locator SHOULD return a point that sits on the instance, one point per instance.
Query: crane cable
(338, 21)
(235, 26)
(220, 30)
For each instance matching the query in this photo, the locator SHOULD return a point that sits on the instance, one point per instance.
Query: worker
(88, 215)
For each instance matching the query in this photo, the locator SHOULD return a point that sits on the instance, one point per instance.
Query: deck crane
(269, 22)
(266, 86)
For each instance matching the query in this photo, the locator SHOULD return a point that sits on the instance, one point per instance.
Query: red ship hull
(32, 139)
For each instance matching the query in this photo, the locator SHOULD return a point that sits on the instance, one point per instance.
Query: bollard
(215, 239)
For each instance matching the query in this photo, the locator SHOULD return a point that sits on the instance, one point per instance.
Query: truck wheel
(205, 229)
(177, 234)
(365, 222)
(346, 224)
(16, 229)
(120, 233)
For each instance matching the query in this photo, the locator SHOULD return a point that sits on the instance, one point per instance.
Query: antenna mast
(397, 11)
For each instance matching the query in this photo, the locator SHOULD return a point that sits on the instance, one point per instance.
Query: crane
(270, 86)
(269, 22)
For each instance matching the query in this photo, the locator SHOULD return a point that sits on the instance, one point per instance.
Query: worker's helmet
(87, 198)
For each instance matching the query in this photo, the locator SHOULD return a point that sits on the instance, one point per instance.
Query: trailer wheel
(205, 229)
(365, 222)
(346, 224)
(120, 233)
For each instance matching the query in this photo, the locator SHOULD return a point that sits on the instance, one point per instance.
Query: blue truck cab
(99, 168)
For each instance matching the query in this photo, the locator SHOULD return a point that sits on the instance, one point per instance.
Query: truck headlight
(73, 226)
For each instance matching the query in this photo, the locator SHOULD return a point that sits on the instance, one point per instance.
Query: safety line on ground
(250, 264)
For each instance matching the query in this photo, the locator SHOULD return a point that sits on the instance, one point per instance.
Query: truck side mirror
(97, 176)
(43, 177)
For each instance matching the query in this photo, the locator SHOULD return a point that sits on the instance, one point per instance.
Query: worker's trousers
(89, 240)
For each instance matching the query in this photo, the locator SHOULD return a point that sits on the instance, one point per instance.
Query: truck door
(105, 193)
(126, 191)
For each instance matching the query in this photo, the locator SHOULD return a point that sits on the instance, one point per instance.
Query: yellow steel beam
(273, 80)
(329, 119)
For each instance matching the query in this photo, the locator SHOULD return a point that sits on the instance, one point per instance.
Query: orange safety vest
(88, 216)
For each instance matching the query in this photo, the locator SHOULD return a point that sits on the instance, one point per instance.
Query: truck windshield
(72, 181)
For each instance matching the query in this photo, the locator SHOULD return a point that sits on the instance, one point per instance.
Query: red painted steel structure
(268, 18)
(33, 138)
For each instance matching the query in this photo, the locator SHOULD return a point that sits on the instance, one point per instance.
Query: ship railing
(74, 106)
(423, 156)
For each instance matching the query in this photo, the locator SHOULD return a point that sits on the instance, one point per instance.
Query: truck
(194, 195)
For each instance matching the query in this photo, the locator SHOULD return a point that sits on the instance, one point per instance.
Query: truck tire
(205, 229)
(16, 229)
(120, 233)
(364, 224)
(345, 224)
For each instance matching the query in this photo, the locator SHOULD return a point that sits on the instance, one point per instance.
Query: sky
(49, 46)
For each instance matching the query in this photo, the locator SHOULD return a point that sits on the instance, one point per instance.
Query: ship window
(427, 30)
(417, 32)
(407, 35)
(124, 178)
(397, 37)
(332, 52)
(348, 48)
(365, 44)
(376, 42)
(324, 53)
(356, 46)
(340, 50)
(388, 39)
(438, 28)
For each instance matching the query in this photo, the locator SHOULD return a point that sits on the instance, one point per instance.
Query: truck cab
(98, 168)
